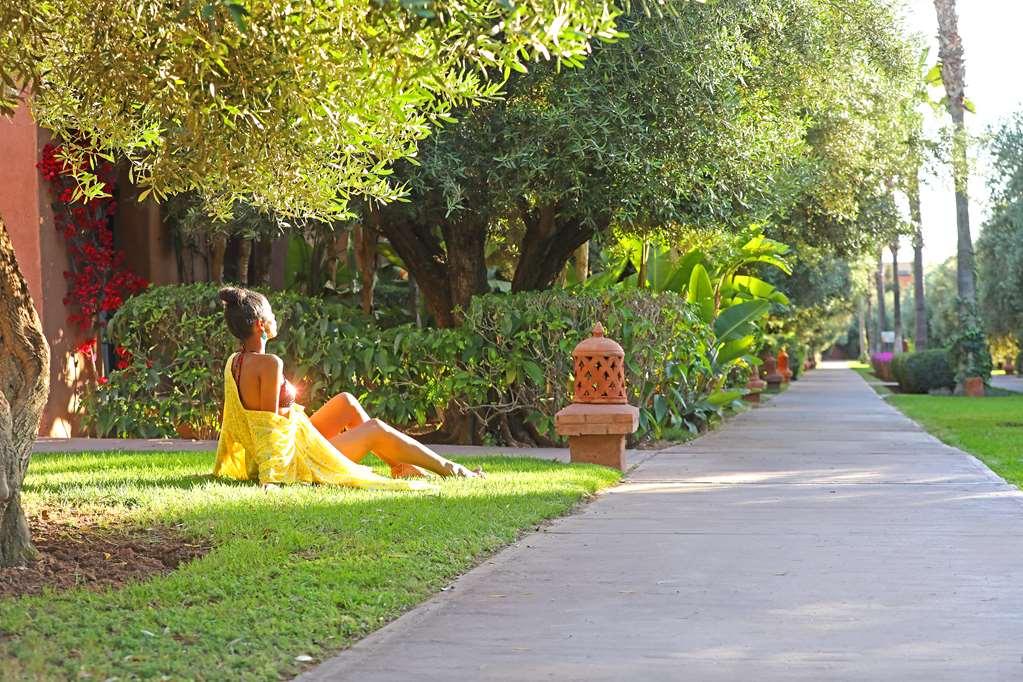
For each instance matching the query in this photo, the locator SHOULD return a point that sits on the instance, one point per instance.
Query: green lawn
(990, 428)
(867, 372)
(302, 571)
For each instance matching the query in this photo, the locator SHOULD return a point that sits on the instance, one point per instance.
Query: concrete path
(1009, 382)
(821, 537)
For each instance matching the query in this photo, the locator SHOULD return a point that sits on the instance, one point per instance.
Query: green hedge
(509, 366)
(923, 371)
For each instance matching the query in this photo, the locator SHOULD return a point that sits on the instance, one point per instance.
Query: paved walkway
(1009, 382)
(821, 537)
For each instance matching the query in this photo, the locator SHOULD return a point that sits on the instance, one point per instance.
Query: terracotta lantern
(769, 370)
(783, 366)
(599, 418)
(755, 385)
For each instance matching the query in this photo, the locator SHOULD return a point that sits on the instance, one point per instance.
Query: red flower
(102, 381)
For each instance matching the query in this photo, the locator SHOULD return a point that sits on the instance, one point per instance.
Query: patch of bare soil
(78, 551)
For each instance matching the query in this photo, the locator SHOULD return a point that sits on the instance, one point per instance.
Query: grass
(302, 571)
(867, 372)
(990, 428)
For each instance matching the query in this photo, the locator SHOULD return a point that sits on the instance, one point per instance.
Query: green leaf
(731, 321)
(534, 372)
(723, 397)
(660, 407)
(701, 293)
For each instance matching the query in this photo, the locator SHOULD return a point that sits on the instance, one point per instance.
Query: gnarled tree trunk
(24, 384)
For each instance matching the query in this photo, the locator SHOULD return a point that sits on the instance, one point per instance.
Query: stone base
(596, 433)
(753, 397)
(608, 451)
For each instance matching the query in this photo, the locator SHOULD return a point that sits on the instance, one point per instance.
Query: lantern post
(599, 418)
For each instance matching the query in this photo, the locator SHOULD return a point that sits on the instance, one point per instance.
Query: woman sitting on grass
(267, 436)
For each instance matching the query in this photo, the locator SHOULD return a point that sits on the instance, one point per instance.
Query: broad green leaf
(732, 320)
(701, 293)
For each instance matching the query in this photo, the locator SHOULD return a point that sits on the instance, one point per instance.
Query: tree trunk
(641, 276)
(413, 301)
(953, 74)
(366, 240)
(465, 243)
(549, 241)
(882, 319)
(582, 262)
(875, 343)
(244, 255)
(861, 310)
(897, 297)
(24, 384)
(218, 247)
(919, 295)
(261, 256)
(337, 251)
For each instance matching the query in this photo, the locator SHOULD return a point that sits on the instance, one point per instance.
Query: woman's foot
(402, 470)
(459, 471)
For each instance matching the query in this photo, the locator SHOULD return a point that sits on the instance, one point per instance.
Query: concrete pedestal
(596, 433)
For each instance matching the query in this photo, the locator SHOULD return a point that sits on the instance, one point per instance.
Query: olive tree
(294, 106)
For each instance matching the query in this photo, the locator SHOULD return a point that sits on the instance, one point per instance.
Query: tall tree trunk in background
(244, 254)
(953, 74)
(24, 384)
(861, 315)
(896, 296)
(582, 262)
(366, 239)
(218, 247)
(882, 318)
(337, 251)
(919, 295)
(261, 258)
(875, 337)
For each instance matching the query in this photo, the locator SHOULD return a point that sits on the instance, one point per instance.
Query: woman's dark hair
(242, 309)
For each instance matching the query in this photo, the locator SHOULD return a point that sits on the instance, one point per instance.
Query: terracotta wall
(25, 206)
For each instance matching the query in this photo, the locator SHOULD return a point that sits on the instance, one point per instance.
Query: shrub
(178, 346)
(526, 360)
(509, 365)
(923, 371)
(882, 364)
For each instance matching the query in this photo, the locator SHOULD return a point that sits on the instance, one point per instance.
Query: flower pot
(973, 387)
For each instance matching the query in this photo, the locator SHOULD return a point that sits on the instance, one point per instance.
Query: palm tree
(953, 75)
(919, 302)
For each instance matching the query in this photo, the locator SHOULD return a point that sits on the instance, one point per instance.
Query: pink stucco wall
(25, 207)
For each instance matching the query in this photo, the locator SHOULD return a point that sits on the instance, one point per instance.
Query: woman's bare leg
(393, 446)
(340, 413)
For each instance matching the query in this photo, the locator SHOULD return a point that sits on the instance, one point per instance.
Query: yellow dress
(270, 448)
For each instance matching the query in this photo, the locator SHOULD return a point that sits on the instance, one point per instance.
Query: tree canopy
(710, 118)
(295, 105)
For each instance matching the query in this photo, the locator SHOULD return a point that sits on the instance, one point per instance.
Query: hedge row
(509, 366)
(923, 371)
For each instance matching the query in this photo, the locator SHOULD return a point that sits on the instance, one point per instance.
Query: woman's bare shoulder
(268, 363)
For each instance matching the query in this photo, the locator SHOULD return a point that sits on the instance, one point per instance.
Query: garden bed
(290, 577)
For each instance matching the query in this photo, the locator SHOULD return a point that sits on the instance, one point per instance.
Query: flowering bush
(882, 364)
(98, 281)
